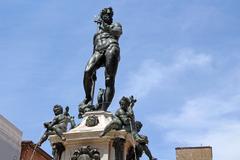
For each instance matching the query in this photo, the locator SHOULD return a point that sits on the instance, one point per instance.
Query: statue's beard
(108, 20)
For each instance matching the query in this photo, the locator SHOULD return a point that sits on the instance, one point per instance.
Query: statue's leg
(147, 151)
(112, 58)
(59, 132)
(113, 125)
(93, 64)
(43, 138)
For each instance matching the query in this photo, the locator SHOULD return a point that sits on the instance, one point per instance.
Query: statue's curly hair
(108, 10)
(125, 100)
(57, 106)
(138, 124)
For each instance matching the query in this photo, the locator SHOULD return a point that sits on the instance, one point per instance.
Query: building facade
(194, 153)
(28, 152)
(10, 140)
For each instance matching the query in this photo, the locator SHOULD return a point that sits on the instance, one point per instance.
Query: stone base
(113, 146)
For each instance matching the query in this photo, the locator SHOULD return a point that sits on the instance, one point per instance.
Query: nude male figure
(106, 53)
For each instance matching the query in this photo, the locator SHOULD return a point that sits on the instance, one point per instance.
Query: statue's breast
(102, 40)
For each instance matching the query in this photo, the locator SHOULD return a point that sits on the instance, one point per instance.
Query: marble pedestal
(113, 146)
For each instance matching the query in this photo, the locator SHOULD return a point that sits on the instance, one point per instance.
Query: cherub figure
(124, 116)
(58, 125)
(141, 145)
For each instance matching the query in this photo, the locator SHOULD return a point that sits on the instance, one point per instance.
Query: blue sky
(180, 59)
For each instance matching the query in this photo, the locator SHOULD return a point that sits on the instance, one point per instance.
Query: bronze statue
(100, 98)
(141, 145)
(106, 53)
(123, 116)
(58, 125)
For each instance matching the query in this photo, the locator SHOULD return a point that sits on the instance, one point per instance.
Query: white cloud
(225, 141)
(208, 120)
(187, 57)
(152, 74)
(145, 79)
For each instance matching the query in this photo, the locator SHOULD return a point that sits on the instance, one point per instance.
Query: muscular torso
(104, 38)
(61, 121)
(123, 116)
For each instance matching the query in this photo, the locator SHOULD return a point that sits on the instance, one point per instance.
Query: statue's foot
(104, 107)
(39, 144)
(63, 138)
(85, 101)
(102, 134)
(84, 106)
(97, 107)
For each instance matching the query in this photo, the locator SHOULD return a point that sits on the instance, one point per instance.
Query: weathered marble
(83, 135)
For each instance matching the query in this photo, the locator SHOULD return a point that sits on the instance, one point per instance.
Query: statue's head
(138, 126)
(106, 15)
(57, 109)
(124, 102)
